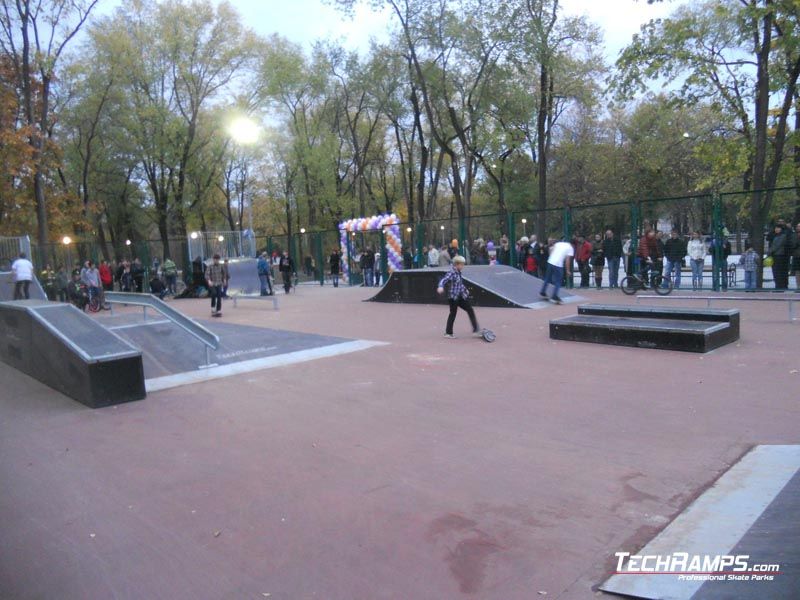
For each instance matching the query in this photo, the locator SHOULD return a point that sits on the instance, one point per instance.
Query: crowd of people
(598, 259)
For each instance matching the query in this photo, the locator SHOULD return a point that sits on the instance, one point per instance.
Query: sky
(306, 21)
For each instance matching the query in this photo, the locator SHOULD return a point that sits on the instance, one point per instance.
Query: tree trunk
(757, 215)
(541, 123)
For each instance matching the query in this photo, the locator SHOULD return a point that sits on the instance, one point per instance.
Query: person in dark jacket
(137, 274)
(780, 250)
(157, 287)
(368, 266)
(674, 253)
(287, 269)
(612, 250)
(335, 262)
(504, 252)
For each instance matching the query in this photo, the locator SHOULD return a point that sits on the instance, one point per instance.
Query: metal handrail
(190, 326)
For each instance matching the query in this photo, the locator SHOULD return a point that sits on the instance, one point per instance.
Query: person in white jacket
(697, 257)
(23, 275)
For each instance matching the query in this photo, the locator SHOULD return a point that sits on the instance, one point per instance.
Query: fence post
(512, 239)
(636, 216)
(462, 235)
(420, 237)
(384, 257)
(320, 258)
(568, 239)
(716, 258)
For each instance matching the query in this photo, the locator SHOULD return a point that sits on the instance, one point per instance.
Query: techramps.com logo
(696, 567)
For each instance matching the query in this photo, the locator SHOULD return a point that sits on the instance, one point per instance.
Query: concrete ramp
(494, 286)
(69, 351)
(7, 288)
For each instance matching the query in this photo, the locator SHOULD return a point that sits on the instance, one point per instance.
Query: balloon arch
(389, 224)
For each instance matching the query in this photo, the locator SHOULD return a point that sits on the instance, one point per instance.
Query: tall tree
(741, 55)
(35, 34)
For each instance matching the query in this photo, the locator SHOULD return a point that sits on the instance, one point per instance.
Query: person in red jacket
(583, 254)
(650, 255)
(106, 278)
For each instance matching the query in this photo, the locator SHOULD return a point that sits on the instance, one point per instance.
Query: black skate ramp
(35, 290)
(493, 286)
(69, 351)
(686, 330)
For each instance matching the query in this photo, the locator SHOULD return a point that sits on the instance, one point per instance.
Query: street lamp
(442, 228)
(524, 228)
(221, 238)
(66, 240)
(193, 235)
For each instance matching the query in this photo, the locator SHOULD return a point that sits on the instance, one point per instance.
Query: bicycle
(634, 283)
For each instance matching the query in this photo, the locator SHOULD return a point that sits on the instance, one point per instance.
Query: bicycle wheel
(630, 285)
(94, 303)
(661, 286)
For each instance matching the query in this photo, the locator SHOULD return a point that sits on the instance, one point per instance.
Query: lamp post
(66, 240)
(442, 229)
(524, 228)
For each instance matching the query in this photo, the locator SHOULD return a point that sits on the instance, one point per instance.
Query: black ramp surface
(168, 350)
(773, 539)
(663, 334)
(496, 285)
(35, 290)
(85, 333)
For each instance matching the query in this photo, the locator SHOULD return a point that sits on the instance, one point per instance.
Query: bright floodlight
(441, 227)
(127, 242)
(686, 134)
(244, 130)
(221, 238)
(302, 230)
(66, 240)
(193, 235)
(408, 229)
(524, 221)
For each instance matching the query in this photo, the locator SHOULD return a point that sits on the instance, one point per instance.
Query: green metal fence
(723, 220)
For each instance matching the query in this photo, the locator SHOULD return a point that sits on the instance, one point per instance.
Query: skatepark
(341, 448)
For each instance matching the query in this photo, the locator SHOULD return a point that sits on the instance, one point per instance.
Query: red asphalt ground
(425, 469)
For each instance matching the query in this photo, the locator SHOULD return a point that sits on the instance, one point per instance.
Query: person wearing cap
(458, 296)
(215, 278)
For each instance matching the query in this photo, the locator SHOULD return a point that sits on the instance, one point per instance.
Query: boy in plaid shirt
(749, 260)
(459, 297)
